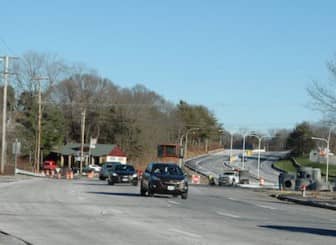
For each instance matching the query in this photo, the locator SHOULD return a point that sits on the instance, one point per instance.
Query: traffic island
(315, 199)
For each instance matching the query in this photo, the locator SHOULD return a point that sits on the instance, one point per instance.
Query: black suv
(106, 168)
(164, 178)
(122, 173)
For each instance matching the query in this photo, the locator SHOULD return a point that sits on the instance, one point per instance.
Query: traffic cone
(303, 188)
(261, 181)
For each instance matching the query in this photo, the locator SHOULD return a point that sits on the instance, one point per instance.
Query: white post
(259, 138)
(328, 146)
(244, 151)
(231, 143)
(327, 167)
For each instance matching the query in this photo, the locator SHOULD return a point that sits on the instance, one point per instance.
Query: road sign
(93, 142)
(16, 147)
(195, 179)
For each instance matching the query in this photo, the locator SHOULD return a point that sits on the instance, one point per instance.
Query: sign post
(93, 142)
(16, 151)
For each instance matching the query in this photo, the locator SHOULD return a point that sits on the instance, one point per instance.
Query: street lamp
(231, 143)
(327, 141)
(186, 139)
(259, 145)
(244, 143)
(186, 142)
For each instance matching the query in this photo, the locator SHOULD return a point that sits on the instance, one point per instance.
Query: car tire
(135, 183)
(150, 191)
(220, 183)
(142, 191)
(110, 182)
(233, 182)
(184, 195)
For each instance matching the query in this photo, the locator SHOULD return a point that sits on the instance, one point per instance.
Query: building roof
(99, 150)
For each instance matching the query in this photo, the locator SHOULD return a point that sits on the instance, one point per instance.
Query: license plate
(170, 188)
(125, 179)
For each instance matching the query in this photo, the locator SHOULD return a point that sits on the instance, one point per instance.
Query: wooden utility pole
(4, 113)
(39, 123)
(82, 142)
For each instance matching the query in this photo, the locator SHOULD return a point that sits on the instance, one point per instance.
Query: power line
(6, 46)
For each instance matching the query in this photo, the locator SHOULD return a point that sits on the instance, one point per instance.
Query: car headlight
(114, 174)
(134, 175)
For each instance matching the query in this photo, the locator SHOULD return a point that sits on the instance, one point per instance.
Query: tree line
(137, 119)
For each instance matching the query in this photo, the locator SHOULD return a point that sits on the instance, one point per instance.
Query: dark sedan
(164, 178)
(123, 173)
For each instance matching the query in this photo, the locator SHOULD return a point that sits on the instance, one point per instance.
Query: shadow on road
(315, 231)
(91, 184)
(125, 194)
(115, 193)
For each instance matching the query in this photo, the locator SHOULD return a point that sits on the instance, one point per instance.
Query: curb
(306, 202)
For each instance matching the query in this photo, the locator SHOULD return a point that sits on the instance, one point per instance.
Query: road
(46, 211)
(213, 164)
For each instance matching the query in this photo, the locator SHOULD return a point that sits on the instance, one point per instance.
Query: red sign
(195, 179)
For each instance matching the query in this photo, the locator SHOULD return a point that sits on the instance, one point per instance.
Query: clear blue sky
(248, 61)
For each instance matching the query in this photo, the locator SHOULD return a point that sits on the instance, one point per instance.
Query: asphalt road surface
(47, 211)
(213, 164)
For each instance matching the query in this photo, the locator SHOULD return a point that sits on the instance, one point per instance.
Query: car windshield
(228, 173)
(110, 165)
(167, 170)
(124, 168)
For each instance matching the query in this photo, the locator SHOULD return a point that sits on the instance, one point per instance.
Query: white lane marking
(268, 207)
(173, 202)
(185, 233)
(227, 214)
(232, 199)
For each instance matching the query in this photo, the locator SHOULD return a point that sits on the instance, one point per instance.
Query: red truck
(49, 165)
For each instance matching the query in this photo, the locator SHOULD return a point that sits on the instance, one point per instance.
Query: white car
(230, 177)
(94, 167)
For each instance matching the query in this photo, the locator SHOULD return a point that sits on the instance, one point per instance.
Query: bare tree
(324, 94)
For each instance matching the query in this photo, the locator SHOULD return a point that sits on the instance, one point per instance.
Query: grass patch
(287, 166)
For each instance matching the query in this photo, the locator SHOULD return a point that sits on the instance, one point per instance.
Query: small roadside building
(70, 154)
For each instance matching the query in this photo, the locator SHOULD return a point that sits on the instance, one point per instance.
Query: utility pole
(39, 122)
(4, 113)
(82, 142)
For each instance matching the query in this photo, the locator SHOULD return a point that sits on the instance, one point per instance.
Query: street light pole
(186, 140)
(327, 141)
(259, 146)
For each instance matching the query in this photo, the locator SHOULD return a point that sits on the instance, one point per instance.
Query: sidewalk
(315, 199)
